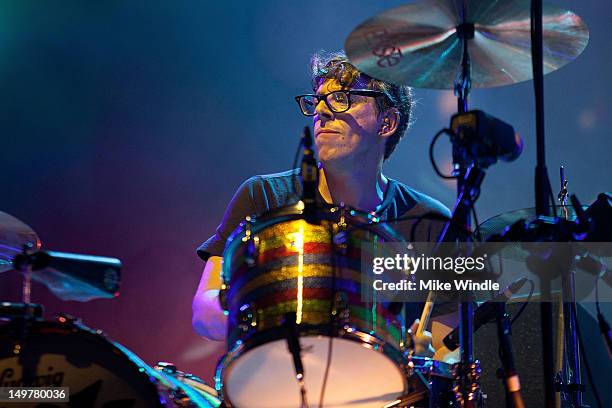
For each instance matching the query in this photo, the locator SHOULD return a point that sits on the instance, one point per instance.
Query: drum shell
(284, 263)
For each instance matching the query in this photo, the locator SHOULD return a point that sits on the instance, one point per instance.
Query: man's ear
(389, 122)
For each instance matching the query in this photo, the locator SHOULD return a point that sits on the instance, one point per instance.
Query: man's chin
(333, 159)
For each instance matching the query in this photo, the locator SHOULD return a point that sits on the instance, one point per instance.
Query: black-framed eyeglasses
(337, 101)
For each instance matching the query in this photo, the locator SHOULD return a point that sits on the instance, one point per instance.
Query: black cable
(332, 325)
(552, 198)
(597, 294)
(524, 305)
(413, 229)
(431, 153)
(587, 366)
(419, 218)
(476, 223)
(327, 367)
(427, 216)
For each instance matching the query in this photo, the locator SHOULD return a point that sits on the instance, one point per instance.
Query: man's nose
(323, 110)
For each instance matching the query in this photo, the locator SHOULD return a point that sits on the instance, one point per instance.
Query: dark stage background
(126, 127)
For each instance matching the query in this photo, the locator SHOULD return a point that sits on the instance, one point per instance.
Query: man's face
(348, 137)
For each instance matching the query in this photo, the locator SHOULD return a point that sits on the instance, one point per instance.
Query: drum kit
(299, 332)
(66, 353)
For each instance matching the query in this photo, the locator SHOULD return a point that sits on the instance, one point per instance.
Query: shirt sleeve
(241, 206)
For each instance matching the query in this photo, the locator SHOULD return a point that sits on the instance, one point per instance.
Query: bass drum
(99, 373)
(289, 267)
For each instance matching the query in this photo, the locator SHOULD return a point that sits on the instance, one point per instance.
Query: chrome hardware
(340, 308)
(247, 320)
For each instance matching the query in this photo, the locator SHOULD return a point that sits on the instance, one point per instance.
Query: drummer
(358, 122)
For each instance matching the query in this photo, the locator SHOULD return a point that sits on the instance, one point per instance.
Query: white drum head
(359, 377)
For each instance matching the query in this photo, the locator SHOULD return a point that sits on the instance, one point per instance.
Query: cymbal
(418, 44)
(14, 236)
(495, 225)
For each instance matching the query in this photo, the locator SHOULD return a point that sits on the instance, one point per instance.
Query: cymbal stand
(23, 264)
(542, 194)
(469, 177)
(467, 387)
(568, 382)
(469, 163)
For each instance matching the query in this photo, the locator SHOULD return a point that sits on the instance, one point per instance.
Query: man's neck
(361, 188)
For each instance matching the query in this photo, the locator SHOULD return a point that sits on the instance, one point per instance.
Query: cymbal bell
(418, 44)
(14, 237)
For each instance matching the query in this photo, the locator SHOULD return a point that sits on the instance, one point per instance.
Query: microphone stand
(309, 177)
(511, 380)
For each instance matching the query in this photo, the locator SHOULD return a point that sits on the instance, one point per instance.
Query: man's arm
(208, 319)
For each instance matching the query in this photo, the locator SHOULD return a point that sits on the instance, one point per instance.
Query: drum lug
(340, 238)
(409, 367)
(223, 296)
(340, 235)
(473, 373)
(168, 368)
(341, 310)
(252, 247)
(252, 243)
(247, 321)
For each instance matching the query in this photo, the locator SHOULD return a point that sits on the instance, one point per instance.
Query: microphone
(293, 344)
(486, 137)
(308, 170)
(594, 266)
(583, 222)
(485, 311)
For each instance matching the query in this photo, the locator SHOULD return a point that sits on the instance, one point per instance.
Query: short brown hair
(336, 66)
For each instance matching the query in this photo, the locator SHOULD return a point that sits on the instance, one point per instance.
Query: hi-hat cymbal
(14, 236)
(418, 44)
(497, 224)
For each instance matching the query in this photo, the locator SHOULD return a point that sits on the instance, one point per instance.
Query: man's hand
(421, 341)
(208, 318)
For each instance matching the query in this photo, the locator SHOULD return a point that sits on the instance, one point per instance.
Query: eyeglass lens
(336, 101)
